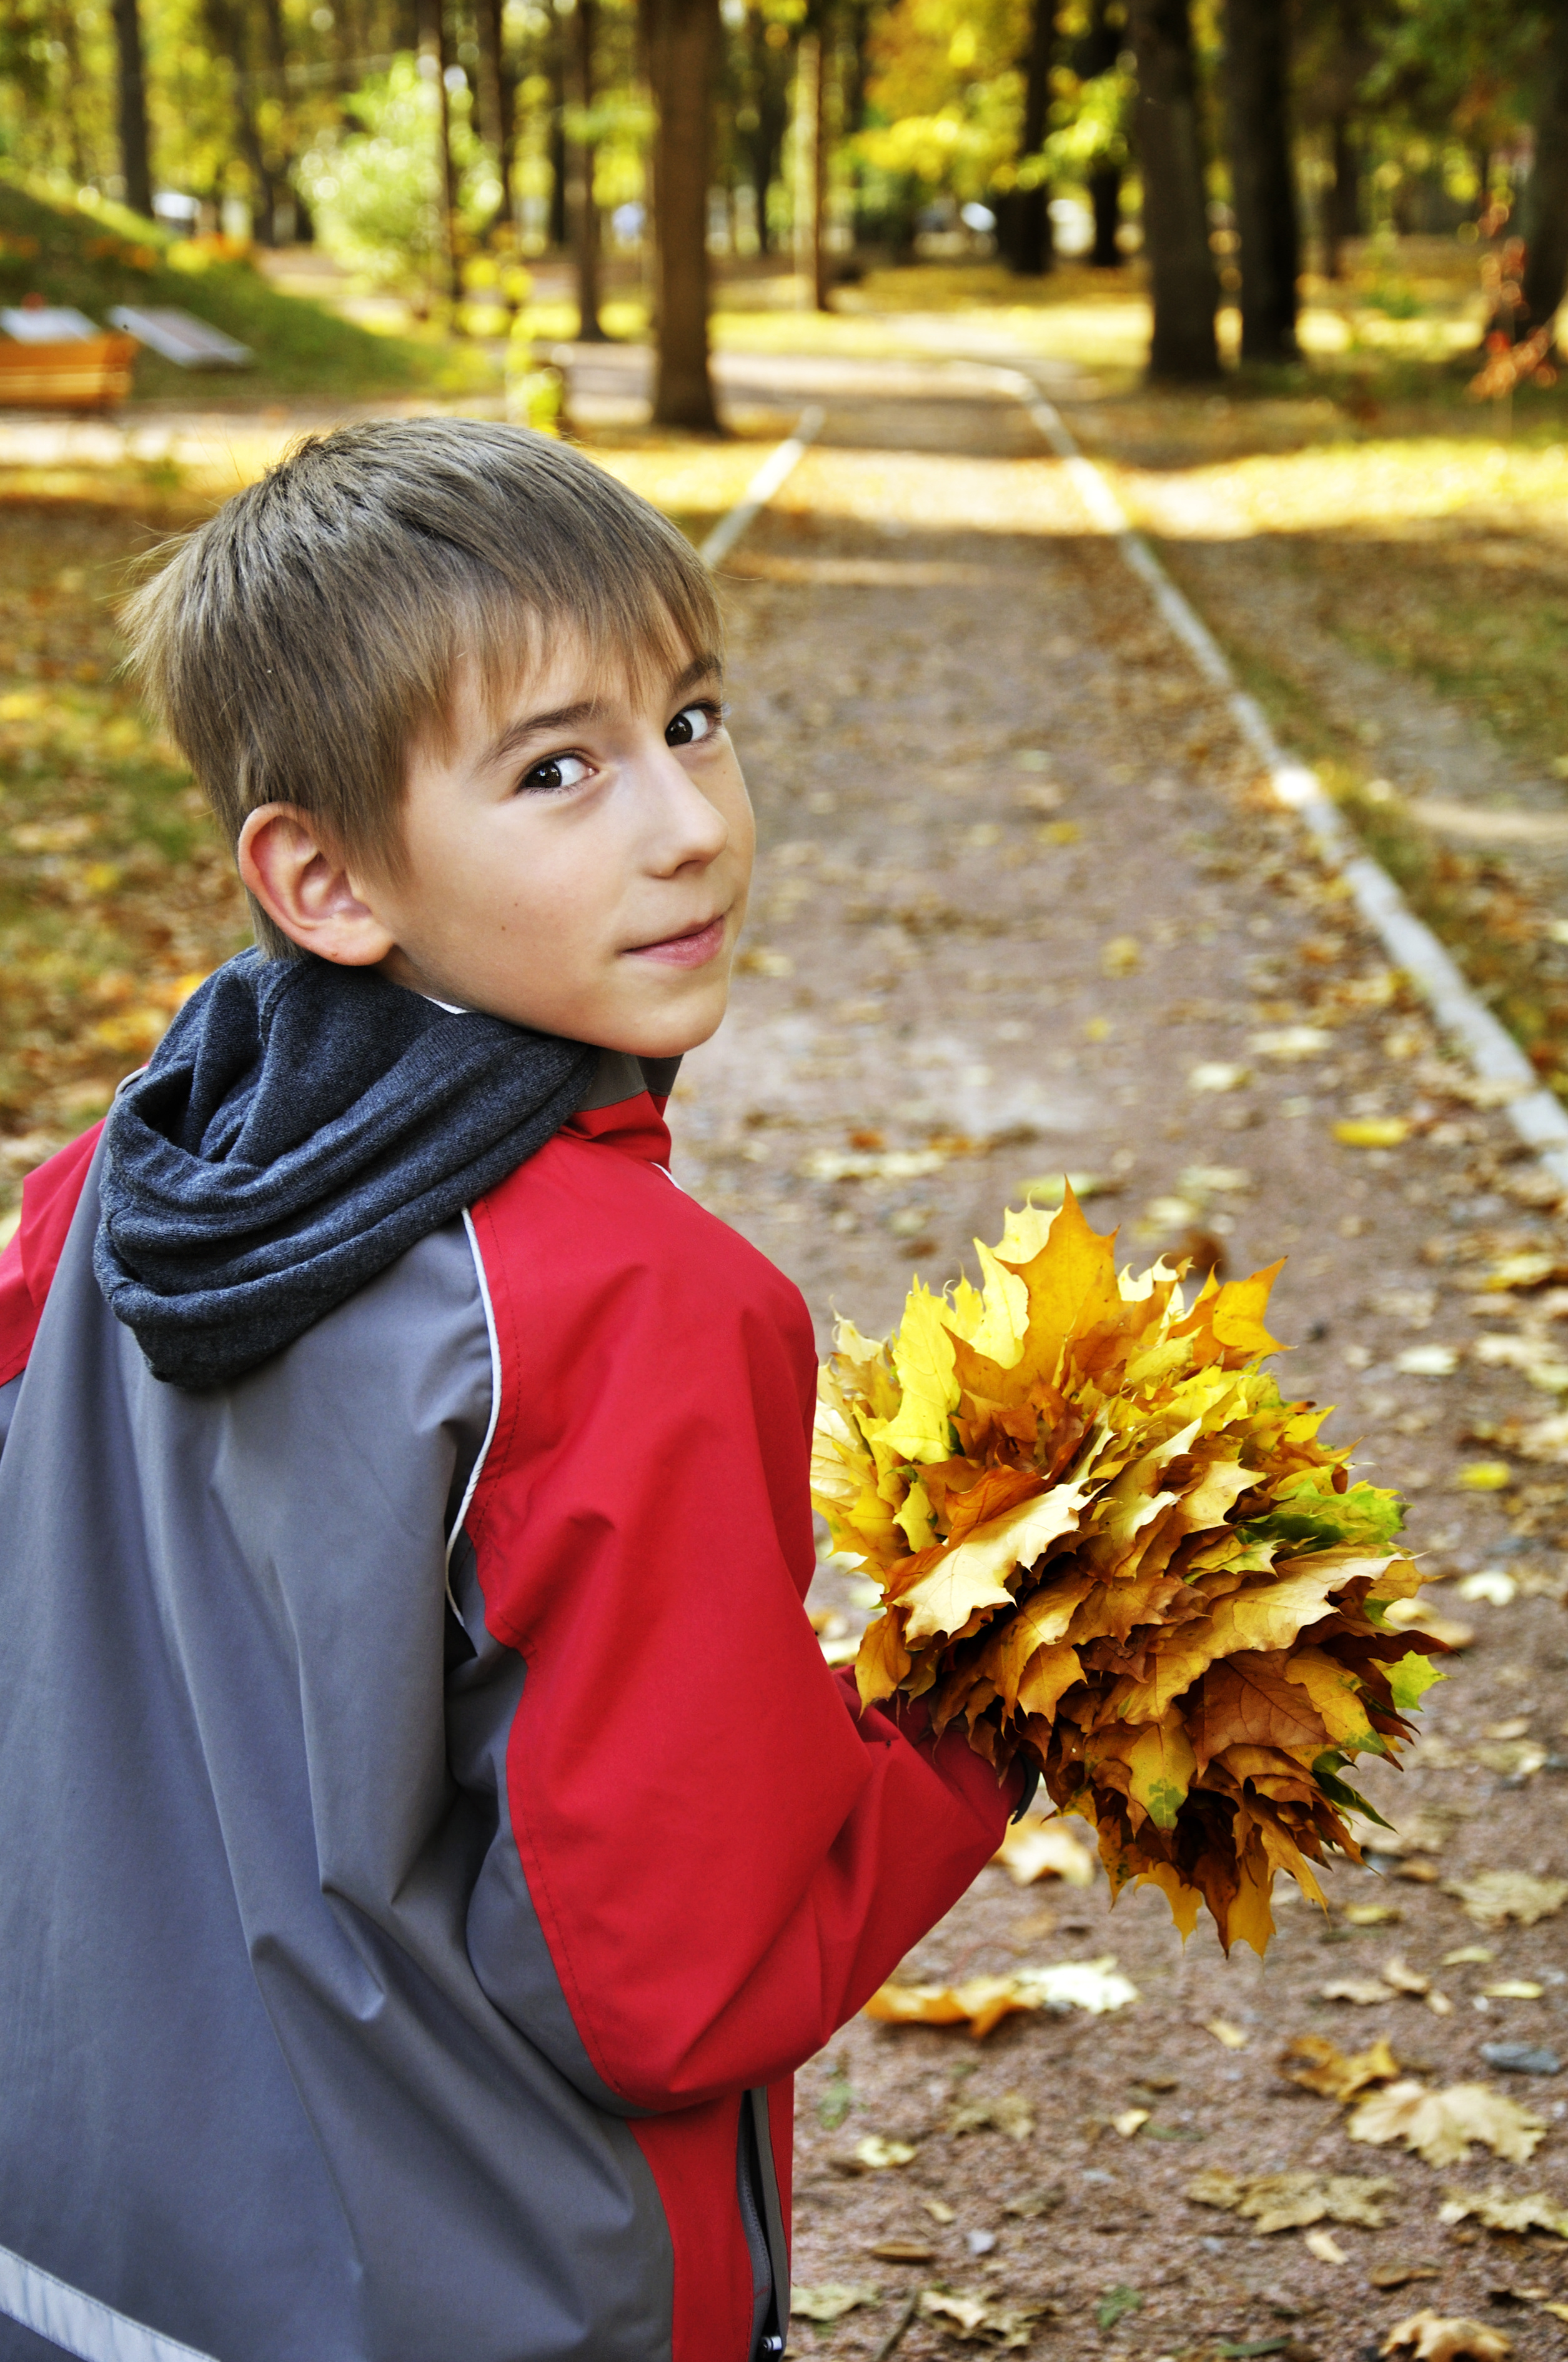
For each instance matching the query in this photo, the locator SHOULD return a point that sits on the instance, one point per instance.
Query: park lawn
(1421, 536)
(55, 249)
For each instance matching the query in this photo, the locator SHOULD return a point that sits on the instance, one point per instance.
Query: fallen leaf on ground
(832, 2299)
(1514, 1989)
(902, 2251)
(1288, 2201)
(1130, 2120)
(1094, 1985)
(1370, 1915)
(1420, 1829)
(1485, 1476)
(939, 2210)
(1493, 1585)
(976, 2318)
(983, 2001)
(1427, 1361)
(1405, 1980)
(1373, 1132)
(1035, 1849)
(1496, 1896)
(1051, 1188)
(1363, 1991)
(1441, 2125)
(1326, 2247)
(878, 2155)
(1223, 2031)
(1439, 2004)
(1318, 2065)
(1432, 2338)
(1393, 2276)
(1009, 2113)
(1499, 2212)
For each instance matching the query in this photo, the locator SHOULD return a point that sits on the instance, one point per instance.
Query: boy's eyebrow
(569, 717)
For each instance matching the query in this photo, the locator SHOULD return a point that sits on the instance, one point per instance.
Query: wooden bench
(88, 373)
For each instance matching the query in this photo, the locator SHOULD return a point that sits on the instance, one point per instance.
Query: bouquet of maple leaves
(1106, 1543)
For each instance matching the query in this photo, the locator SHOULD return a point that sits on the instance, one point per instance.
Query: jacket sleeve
(725, 1856)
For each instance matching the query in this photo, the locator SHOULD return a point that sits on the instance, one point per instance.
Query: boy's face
(577, 860)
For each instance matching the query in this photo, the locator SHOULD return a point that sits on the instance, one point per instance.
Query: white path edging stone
(1535, 1114)
(767, 480)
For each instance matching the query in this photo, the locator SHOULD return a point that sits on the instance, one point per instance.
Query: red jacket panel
(726, 1857)
(28, 1263)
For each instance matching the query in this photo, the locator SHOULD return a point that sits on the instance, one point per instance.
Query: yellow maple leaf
(974, 1575)
(923, 1362)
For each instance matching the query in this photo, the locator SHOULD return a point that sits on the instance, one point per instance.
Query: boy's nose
(691, 828)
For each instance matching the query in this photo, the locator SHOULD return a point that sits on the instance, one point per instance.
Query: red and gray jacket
(431, 1839)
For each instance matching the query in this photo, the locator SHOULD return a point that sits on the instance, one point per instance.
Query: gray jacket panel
(287, 2073)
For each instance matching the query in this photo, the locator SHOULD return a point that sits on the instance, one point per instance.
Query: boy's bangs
(637, 646)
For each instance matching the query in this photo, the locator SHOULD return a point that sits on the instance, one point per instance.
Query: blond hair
(298, 644)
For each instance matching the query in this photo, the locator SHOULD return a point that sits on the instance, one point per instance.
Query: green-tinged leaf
(1340, 1792)
(1313, 1516)
(1114, 2303)
(1160, 1765)
(1412, 1678)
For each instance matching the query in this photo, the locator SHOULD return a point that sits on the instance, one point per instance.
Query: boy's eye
(691, 725)
(555, 772)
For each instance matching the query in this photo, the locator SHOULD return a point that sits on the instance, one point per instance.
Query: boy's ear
(305, 888)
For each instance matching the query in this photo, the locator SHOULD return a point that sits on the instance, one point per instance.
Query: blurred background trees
(435, 147)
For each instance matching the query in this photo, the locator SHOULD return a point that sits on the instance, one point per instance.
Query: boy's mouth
(693, 950)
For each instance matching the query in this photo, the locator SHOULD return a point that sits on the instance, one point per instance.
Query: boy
(431, 1837)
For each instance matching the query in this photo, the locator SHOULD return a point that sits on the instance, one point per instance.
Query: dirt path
(1018, 902)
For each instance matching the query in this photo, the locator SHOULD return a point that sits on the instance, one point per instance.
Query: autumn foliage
(1107, 1543)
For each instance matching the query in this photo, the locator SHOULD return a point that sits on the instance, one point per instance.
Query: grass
(99, 258)
(1499, 931)
(115, 893)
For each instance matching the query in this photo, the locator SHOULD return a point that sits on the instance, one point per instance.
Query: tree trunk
(135, 165)
(811, 169)
(559, 229)
(580, 180)
(433, 48)
(282, 204)
(1105, 197)
(69, 90)
(1025, 219)
(229, 31)
(770, 85)
(1546, 244)
(1341, 199)
(1176, 216)
(1256, 77)
(683, 48)
(489, 91)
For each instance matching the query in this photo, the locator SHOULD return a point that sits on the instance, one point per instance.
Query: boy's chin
(672, 1033)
